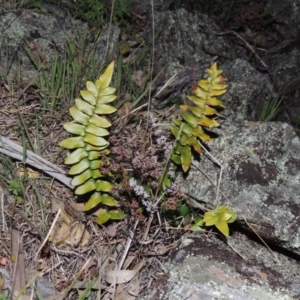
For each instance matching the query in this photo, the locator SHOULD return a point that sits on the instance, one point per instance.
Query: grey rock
(261, 177)
(106, 46)
(180, 39)
(286, 68)
(30, 38)
(204, 267)
(247, 90)
(287, 15)
(41, 34)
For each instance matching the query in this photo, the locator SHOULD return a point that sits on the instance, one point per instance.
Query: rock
(180, 39)
(204, 267)
(106, 46)
(261, 178)
(31, 37)
(247, 90)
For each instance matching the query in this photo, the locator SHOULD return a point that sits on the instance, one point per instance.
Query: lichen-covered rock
(30, 38)
(261, 178)
(180, 39)
(41, 34)
(106, 46)
(247, 90)
(204, 267)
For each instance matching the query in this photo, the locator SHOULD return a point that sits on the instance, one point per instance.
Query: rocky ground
(254, 154)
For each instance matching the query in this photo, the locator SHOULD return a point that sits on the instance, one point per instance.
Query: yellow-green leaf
(187, 129)
(104, 80)
(176, 159)
(107, 91)
(96, 174)
(95, 140)
(94, 200)
(104, 109)
(72, 143)
(79, 167)
(198, 101)
(213, 71)
(200, 93)
(92, 88)
(103, 186)
(84, 106)
(192, 141)
(214, 102)
(95, 164)
(95, 148)
(99, 121)
(79, 116)
(98, 131)
(210, 218)
(213, 93)
(167, 181)
(116, 215)
(209, 111)
(186, 157)
(223, 227)
(109, 200)
(103, 217)
(74, 128)
(106, 98)
(196, 110)
(204, 84)
(204, 121)
(217, 86)
(94, 155)
(88, 96)
(81, 178)
(178, 148)
(183, 139)
(193, 121)
(76, 156)
(88, 186)
(177, 122)
(198, 132)
(174, 129)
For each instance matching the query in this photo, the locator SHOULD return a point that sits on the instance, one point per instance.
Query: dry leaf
(119, 276)
(138, 77)
(68, 233)
(111, 230)
(128, 261)
(30, 173)
(124, 296)
(134, 287)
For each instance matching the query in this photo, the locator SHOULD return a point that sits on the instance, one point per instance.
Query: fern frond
(90, 145)
(196, 116)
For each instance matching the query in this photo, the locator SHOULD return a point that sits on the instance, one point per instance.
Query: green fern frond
(90, 145)
(189, 125)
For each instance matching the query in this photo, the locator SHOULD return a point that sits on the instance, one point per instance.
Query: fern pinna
(90, 145)
(187, 127)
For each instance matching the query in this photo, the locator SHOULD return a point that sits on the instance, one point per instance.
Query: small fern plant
(90, 146)
(187, 127)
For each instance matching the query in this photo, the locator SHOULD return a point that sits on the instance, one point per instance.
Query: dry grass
(133, 249)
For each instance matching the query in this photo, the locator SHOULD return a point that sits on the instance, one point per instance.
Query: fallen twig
(15, 151)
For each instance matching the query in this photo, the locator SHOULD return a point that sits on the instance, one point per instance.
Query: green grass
(271, 108)
(4, 295)
(95, 12)
(58, 80)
